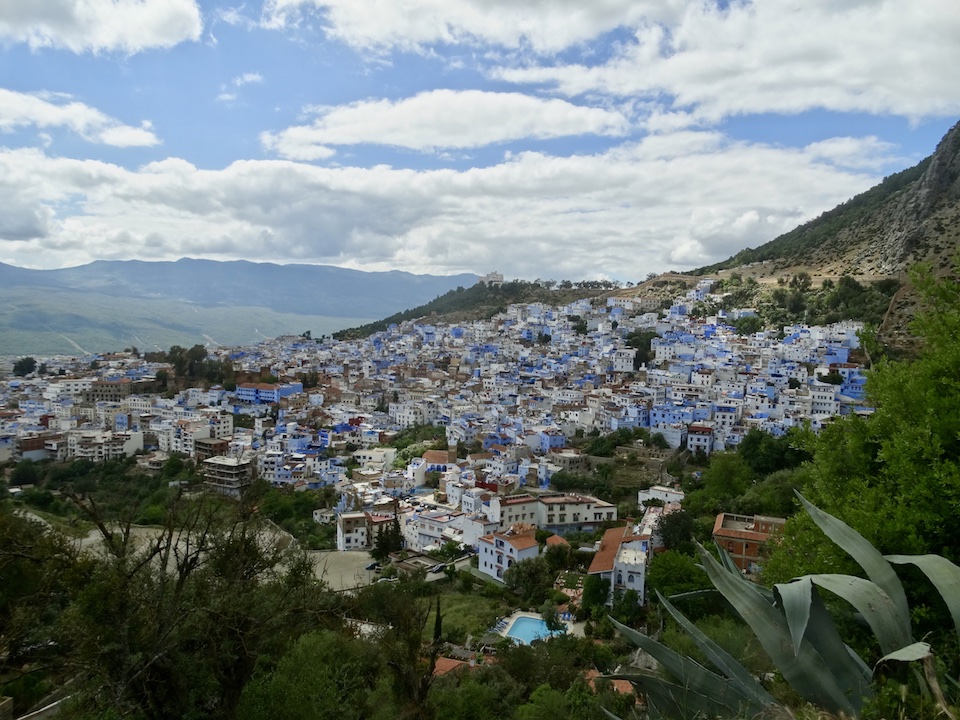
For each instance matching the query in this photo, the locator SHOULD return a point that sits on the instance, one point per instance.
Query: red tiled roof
(445, 665)
(522, 542)
(609, 545)
(624, 687)
(436, 457)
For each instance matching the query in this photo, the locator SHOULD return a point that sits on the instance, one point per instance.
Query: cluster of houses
(509, 392)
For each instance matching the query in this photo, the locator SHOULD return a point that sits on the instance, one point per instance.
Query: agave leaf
(691, 674)
(807, 672)
(808, 618)
(677, 701)
(728, 564)
(944, 575)
(861, 665)
(693, 594)
(910, 653)
(731, 567)
(866, 555)
(851, 672)
(874, 604)
(795, 598)
(721, 659)
(609, 714)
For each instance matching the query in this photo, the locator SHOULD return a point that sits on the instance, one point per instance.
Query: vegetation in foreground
(216, 616)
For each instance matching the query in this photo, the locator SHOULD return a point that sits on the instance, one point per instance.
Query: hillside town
(510, 393)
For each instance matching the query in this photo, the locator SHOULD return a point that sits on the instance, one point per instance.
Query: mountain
(115, 304)
(480, 302)
(876, 237)
(910, 217)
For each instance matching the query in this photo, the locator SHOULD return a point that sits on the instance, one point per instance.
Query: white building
(500, 550)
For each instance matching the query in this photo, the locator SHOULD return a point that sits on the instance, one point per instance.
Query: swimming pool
(528, 629)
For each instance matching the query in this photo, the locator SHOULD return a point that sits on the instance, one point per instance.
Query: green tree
(24, 366)
(26, 472)
(176, 626)
(38, 567)
(532, 579)
(895, 475)
(672, 573)
(324, 676)
(676, 531)
(545, 704)
(595, 593)
(548, 613)
(726, 479)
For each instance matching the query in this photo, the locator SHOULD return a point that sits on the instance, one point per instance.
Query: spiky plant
(792, 624)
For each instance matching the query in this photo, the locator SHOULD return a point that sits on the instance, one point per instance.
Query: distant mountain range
(110, 305)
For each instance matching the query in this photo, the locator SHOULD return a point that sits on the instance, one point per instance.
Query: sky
(557, 139)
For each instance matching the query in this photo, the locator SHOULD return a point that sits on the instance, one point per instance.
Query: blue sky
(541, 138)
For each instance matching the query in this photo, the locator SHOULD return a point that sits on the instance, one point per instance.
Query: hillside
(479, 302)
(114, 304)
(912, 216)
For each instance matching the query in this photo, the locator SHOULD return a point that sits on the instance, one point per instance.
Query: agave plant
(795, 629)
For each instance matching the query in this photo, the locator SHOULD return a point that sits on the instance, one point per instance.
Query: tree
(545, 702)
(26, 472)
(24, 366)
(37, 570)
(595, 592)
(676, 531)
(672, 573)
(748, 325)
(324, 676)
(550, 617)
(657, 440)
(895, 475)
(726, 479)
(765, 454)
(175, 627)
(532, 579)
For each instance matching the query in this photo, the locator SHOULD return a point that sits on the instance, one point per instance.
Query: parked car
(440, 567)
(372, 566)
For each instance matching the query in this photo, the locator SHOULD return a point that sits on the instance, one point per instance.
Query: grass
(469, 614)
(71, 526)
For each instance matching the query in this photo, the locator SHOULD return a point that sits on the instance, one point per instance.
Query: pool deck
(503, 626)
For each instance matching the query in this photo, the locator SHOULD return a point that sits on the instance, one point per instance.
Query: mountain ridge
(109, 304)
(910, 217)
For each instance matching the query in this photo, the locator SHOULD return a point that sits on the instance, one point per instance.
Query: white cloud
(46, 110)
(546, 26)
(296, 143)
(884, 56)
(128, 26)
(866, 153)
(446, 119)
(247, 78)
(665, 202)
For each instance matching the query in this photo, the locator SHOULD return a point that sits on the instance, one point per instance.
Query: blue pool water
(527, 629)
